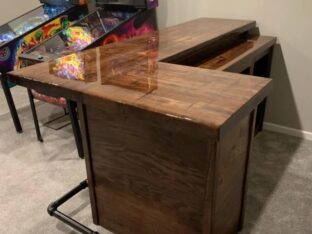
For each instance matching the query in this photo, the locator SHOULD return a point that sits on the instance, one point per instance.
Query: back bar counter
(167, 132)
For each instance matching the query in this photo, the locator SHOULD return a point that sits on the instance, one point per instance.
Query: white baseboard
(288, 131)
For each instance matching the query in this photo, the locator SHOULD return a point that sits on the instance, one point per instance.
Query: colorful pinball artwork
(38, 36)
(11, 51)
(77, 38)
(69, 67)
(132, 28)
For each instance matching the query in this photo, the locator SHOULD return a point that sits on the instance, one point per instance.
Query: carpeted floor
(33, 174)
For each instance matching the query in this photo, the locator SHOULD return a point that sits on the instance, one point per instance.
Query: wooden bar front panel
(231, 165)
(149, 179)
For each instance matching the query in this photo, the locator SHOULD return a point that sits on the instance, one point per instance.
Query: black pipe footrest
(52, 210)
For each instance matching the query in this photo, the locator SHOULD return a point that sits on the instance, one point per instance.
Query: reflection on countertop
(141, 73)
(135, 70)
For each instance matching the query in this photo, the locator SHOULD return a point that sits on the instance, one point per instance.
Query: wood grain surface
(129, 73)
(153, 178)
(239, 57)
(149, 174)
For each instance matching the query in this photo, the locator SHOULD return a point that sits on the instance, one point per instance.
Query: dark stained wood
(230, 175)
(246, 53)
(88, 157)
(226, 56)
(210, 98)
(233, 59)
(167, 146)
(180, 40)
(252, 129)
(156, 177)
(149, 174)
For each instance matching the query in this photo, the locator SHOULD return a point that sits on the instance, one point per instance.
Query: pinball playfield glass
(111, 22)
(25, 32)
(28, 30)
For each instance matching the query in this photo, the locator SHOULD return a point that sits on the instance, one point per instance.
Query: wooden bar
(167, 145)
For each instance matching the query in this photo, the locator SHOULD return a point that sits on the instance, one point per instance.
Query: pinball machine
(112, 21)
(107, 21)
(27, 31)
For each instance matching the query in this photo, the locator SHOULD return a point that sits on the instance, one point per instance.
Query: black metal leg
(262, 68)
(260, 116)
(34, 113)
(75, 125)
(52, 210)
(12, 108)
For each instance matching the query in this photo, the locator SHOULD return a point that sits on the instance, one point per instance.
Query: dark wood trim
(210, 190)
(253, 116)
(88, 159)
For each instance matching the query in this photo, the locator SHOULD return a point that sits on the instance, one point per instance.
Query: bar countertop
(134, 73)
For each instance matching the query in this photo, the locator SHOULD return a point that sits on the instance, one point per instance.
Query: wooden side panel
(209, 197)
(230, 177)
(147, 179)
(88, 159)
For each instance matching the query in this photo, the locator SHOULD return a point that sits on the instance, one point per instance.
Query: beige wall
(10, 9)
(291, 21)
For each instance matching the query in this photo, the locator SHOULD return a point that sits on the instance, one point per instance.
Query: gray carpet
(33, 174)
(20, 98)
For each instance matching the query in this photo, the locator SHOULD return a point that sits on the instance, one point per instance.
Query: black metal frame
(10, 101)
(136, 3)
(54, 212)
(72, 112)
(35, 116)
(73, 115)
(263, 68)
